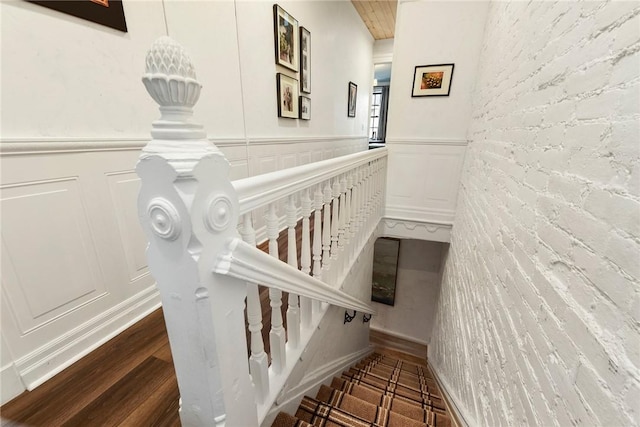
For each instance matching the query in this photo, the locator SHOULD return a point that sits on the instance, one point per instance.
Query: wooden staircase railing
(203, 231)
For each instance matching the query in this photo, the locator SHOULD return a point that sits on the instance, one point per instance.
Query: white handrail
(247, 263)
(260, 190)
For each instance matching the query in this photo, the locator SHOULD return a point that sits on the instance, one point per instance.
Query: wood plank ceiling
(378, 16)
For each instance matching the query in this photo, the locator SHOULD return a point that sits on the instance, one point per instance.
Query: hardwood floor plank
(160, 409)
(125, 396)
(164, 353)
(64, 395)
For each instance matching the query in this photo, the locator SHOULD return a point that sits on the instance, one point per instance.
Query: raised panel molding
(49, 211)
(423, 180)
(124, 188)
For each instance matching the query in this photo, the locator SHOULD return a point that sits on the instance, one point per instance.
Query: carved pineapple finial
(170, 77)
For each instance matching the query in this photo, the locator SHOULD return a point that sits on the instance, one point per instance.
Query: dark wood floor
(128, 381)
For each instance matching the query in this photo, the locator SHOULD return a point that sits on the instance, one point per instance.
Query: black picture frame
(305, 108)
(386, 254)
(305, 60)
(288, 96)
(286, 38)
(104, 12)
(352, 98)
(432, 80)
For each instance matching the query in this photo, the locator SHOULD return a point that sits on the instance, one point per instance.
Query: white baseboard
(10, 383)
(460, 413)
(399, 335)
(311, 381)
(48, 360)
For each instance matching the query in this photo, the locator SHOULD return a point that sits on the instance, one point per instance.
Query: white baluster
(352, 218)
(305, 256)
(335, 219)
(277, 334)
(347, 221)
(317, 233)
(342, 220)
(293, 312)
(362, 200)
(326, 231)
(258, 362)
(317, 240)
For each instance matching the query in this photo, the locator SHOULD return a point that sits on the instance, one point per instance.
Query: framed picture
(385, 270)
(305, 108)
(286, 35)
(104, 12)
(305, 60)
(432, 80)
(351, 103)
(287, 96)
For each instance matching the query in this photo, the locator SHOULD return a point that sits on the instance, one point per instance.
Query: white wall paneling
(423, 179)
(74, 269)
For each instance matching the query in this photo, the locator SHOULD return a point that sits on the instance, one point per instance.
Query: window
(378, 117)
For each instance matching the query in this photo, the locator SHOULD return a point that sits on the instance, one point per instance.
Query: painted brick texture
(538, 321)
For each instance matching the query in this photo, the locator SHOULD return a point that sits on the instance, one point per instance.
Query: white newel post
(189, 209)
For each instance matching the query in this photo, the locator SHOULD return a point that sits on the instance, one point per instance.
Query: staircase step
(387, 399)
(398, 363)
(423, 388)
(390, 387)
(318, 413)
(364, 408)
(286, 420)
(396, 374)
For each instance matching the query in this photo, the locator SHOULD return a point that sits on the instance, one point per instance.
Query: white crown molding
(434, 231)
(302, 139)
(428, 141)
(48, 145)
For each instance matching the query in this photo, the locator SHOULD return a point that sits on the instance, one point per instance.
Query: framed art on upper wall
(432, 80)
(287, 96)
(105, 12)
(305, 60)
(305, 108)
(351, 103)
(286, 35)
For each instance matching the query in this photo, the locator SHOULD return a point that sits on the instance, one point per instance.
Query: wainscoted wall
(422, 187)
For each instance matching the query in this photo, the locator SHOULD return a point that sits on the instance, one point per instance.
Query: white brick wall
(539, 314)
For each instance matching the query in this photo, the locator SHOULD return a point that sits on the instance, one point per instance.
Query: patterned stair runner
(378, 391)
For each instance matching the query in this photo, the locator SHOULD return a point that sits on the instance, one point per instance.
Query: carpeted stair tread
(377, 391)
(390, 387)
(367, 409)
(397, 374)
(388, 400)
(417, 386)
(286, 420)
(318, 413)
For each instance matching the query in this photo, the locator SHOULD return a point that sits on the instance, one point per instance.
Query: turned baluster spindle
(326, 230)
(277, 334)
(258, 361)
(305, 256)
(352, 209)
(317, 240)
(335, 219)
(293, 311)
(342, 221)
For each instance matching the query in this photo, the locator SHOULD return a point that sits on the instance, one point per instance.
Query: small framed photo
(305, 108)
(305, 60)
(353, 96)
(287, 96)
(286, 35)
(432, 80)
